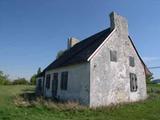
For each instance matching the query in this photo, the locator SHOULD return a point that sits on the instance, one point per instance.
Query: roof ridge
(84, 41)
(77, 51)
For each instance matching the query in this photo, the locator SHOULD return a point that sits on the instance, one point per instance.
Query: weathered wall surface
(110, 81)
(78, 83)
(103, 82)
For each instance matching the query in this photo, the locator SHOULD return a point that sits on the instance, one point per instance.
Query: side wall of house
(78, 83)
(110, 81)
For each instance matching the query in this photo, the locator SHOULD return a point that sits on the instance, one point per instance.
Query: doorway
(54, 85)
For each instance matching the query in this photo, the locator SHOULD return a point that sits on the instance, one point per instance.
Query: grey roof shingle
(81, 51)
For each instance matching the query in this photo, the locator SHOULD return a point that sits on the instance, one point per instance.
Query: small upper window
(64, 80)
(131, 61)
(48, 79)
(113, 55)
(133, 82)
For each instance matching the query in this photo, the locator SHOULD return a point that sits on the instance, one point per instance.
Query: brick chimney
(119, 22)
(72, 41)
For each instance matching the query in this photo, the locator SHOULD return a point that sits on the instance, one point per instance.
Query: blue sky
(32, 31)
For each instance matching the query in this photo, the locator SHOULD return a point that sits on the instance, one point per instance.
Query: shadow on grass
(29, 99)
(26, 98)
(29, 96)
(29, 90)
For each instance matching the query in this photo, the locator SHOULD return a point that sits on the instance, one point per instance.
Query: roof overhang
(95, 52)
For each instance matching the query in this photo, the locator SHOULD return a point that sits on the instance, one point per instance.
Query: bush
(20, 81)
(33, 79)
(149, 79)
(4, 79)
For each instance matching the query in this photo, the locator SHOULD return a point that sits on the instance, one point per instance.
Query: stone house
(101, 70)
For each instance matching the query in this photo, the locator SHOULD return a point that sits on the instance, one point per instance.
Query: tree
(39, 71)
(60, 53)
(149, 79)
(33, 79)
(20, 81)
(4, 79)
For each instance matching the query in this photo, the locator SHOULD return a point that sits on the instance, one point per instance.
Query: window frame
(64, 80)
(131, 61)
(133, 82)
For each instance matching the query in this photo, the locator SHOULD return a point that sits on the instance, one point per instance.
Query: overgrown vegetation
(149, 79)
(16, 103)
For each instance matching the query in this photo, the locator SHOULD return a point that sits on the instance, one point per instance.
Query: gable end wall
(109, 81)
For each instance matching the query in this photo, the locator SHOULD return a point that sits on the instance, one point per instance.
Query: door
(54, 85)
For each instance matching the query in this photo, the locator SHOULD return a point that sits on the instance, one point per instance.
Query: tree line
(4, 79)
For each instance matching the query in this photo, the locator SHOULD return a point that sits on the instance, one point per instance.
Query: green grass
(144, 110)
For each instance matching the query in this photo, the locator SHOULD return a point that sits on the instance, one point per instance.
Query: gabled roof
(81, 51)
(40, 74)
(147, 71)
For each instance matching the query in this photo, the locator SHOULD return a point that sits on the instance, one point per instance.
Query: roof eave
(147, 71)
(95, 52)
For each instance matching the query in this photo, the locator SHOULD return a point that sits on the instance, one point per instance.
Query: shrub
(33, 79)
(20, 81)
(149, 79)
(4, 79)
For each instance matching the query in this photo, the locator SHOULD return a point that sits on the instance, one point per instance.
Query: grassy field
(144, 110)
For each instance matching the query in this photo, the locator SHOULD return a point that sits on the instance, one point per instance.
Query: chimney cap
(72, 41)
(119, 22)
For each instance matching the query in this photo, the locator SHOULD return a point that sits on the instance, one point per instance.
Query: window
(64, 80)
(133, 82)
(131, 61)
(113, 56)
(55, 76)
(48, 80)
(54, 84)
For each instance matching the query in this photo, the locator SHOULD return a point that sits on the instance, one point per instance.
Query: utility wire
(156, 67)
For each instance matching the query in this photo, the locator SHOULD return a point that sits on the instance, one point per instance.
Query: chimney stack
(72, 41)
(118, 22)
